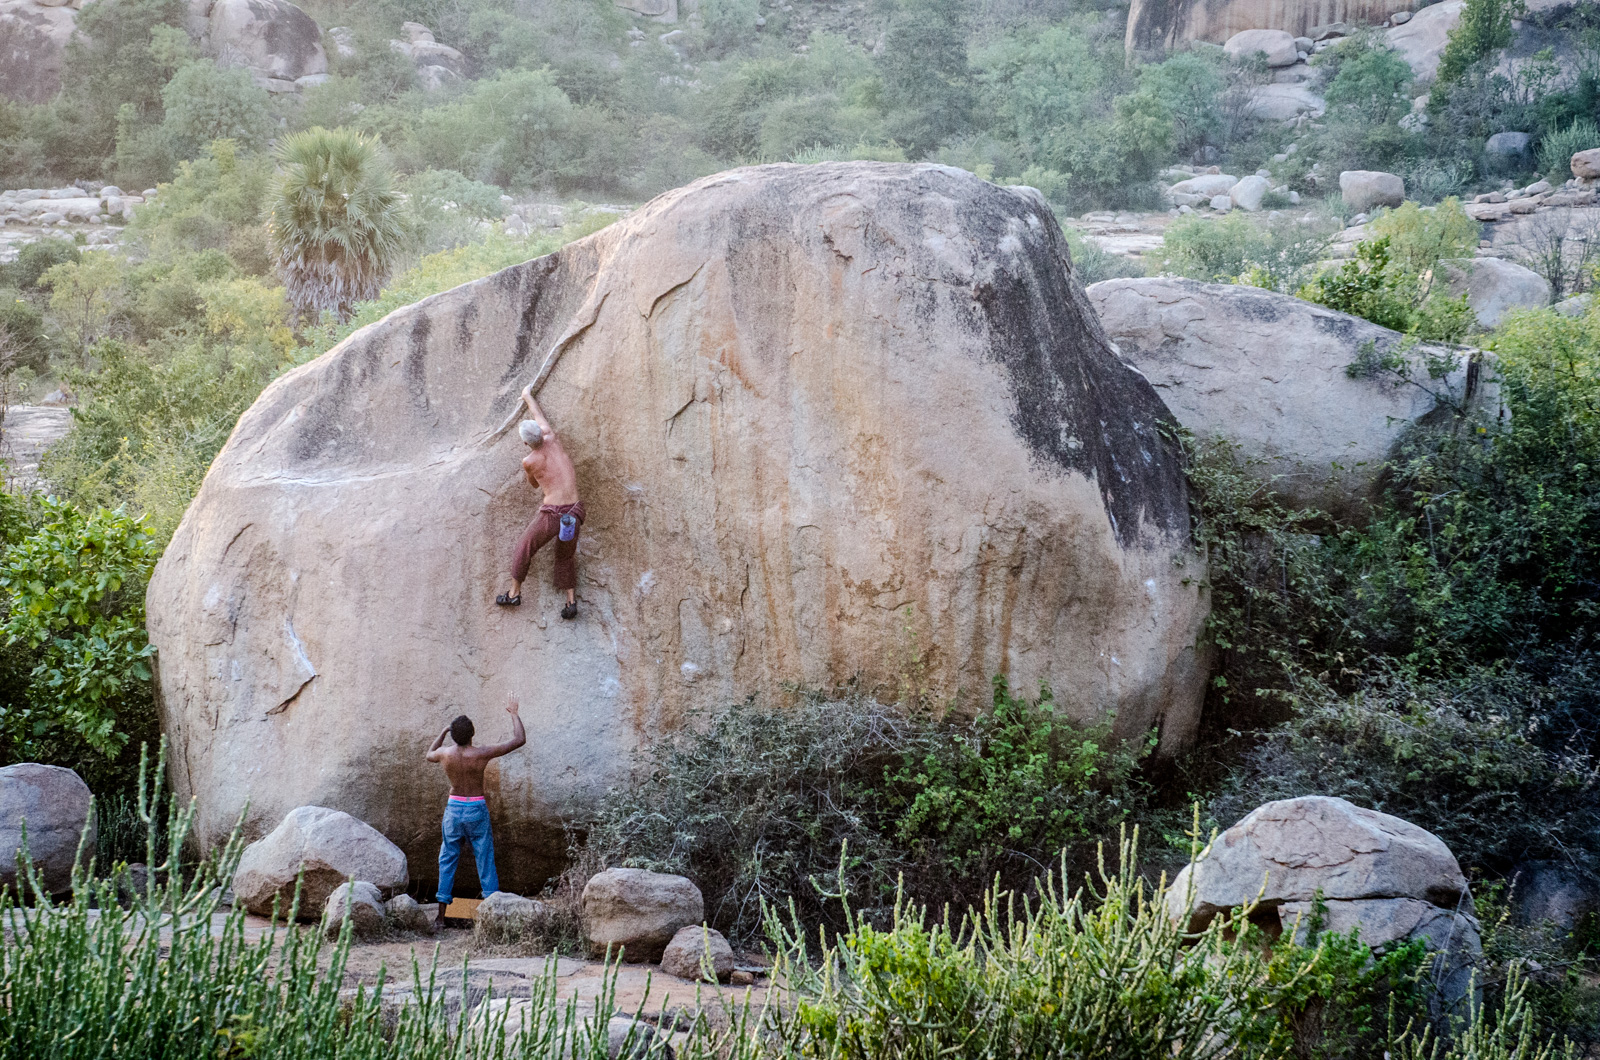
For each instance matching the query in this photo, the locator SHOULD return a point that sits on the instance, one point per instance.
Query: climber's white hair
(530, 432)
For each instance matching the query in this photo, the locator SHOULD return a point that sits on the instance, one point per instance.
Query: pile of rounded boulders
(52, 804)
(698, 952)
(369, 915)
(331, 847)
(1366, 870)
(638, 912)
(507, 917)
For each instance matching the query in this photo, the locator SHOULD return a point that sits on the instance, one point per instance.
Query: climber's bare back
(550, 468)
(464, 766)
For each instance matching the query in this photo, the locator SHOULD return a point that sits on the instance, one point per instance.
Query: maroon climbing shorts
(546, 526)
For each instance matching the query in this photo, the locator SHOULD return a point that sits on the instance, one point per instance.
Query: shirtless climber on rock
(466, 815)
(548, 466)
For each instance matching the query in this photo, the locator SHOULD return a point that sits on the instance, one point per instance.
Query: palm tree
(336, 224)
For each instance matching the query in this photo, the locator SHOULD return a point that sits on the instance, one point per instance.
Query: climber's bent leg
(545, 526)
(566, 569)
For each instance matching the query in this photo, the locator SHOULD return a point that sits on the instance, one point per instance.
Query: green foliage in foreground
(76, 658)
(1102, 971)
(756, 806)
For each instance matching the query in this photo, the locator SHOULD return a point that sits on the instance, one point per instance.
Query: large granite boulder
(1367, 870)
(33, 42)
(1273, 46)
(273, 39)
(811, 406)
(1421, 40)
(1162, 25)
(332, 847)
(1269, 373)
(1495, 286)
(1367, 189)
(507, 917)
(53, 804)
(638, 912)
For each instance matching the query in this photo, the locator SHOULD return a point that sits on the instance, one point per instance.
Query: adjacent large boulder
(332, 847)
(53, 804)
(638, 912)
(1269, 372)
(1162, 25)
(506, 917)
(33, 42)
(810, 405)
(1387, 877)
(276, 41)
(1421, 40)
(1367, 189)
(1273, 46)
(1495, 286)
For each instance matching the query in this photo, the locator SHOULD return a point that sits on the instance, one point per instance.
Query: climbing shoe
(507, 600)
(570, 611)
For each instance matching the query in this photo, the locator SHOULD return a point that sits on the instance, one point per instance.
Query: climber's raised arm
(534, 410)
(518, 735)
(434, 753)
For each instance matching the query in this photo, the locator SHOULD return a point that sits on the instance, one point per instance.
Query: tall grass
(1102, 971)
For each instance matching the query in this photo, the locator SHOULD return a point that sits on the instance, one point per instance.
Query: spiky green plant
(336, 226)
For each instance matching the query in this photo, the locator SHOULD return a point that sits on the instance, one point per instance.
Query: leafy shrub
(1371, 81)
(1420, 237)
(73, 585)
(1485, 27)
(1366, 286)
(1474, 759)
(1557, 148)
(1094, 263)
(1274, 254)
(36, 259)
(757, 806)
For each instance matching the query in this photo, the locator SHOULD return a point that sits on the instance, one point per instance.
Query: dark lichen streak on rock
(1039, 328)
(417, 359)
(528, 281)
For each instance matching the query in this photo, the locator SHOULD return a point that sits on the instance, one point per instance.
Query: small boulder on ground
(1495, 286)
(1504, 147)
(1248, 193)
(1548, 892)
(638, 911)
(507, 917)
(1392, 880)
(1205, 185)
(331, 845)
(1586, 164)
(1366, 189)
(53, 803)
(1276, 44)
(361, 903)
(407, 914)
(693, 949)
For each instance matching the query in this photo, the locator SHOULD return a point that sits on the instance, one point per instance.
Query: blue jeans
(466, 822)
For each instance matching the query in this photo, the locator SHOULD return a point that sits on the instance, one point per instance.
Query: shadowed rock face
(1161, 25)
(815, 410)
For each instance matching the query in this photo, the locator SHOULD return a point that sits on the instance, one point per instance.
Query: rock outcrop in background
(33, 41)
(1269, 372)
(816, 410)
(1160, 25)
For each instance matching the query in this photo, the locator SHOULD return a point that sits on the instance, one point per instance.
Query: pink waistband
(466, 798)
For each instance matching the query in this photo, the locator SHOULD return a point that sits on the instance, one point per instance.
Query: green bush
(36, 259)
(756, 805)
(73, 592)
(1556, 148)
(1275, 254)
(1371, 82)
(1484, 28)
